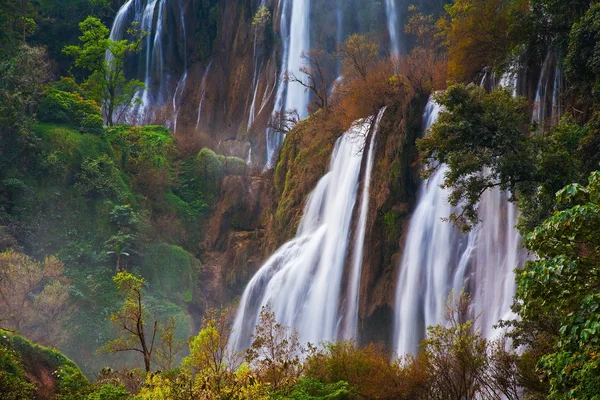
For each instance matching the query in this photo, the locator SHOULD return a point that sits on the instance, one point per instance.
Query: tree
(275, 352)
(168, 346)
(561, 286)
(105, 59)
(130, 320)
(480, 137)
(462, 364)
(34, 297)
(358, 55)
(583, 71)
(478, 34)
(315, 79)
(211, 357)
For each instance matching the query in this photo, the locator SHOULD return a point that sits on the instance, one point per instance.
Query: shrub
(109, 392)
(97, 178)
(92, 123)
(63, 103)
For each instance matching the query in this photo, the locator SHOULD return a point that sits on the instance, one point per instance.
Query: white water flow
(154, 56)
(302, 280)
(256, 63)
(393, 26)
(203, 92)
(178, 95)
(295, 37)
(438, 258)
(151, 63)
(351, 319)
(177, 99)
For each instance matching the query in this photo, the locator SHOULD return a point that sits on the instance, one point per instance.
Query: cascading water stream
(302, 280)
(351, 319)
(178, 95)
(203, 92)
(151, 63)
(295, 36)
(438, 258)
(393, 26)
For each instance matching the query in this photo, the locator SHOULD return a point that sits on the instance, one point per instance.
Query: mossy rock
(233, 165)
(171, 271)
(210, 173)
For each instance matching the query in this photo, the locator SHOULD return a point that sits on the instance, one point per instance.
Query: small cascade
(295, 36)
(151, 63)
(426, 273)
(438, 258)
(303, 280)
(203, 92)
(547, 108)
(178, 95)
(177, 99)
(257, 64)
(393, 26)
(351, 319)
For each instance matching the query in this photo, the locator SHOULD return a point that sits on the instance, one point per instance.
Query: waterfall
(438, 258)
(547, 108)
(151, 63)
(177, 98)
(203, 92)
(303, 279)
(351, 320)
(295, 36)
(426, 275)
(257, 63)
(393, 26)
(178, 95)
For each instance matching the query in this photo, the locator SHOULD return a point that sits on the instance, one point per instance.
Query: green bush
(93, 124)
(312, 389)
(97, 178)
(63, 103)
(109, 392)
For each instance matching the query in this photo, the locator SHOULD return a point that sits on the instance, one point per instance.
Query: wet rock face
(215, 102)
(234, 237)
(393, 192)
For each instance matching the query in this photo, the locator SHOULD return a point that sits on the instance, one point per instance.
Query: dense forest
(130, 228)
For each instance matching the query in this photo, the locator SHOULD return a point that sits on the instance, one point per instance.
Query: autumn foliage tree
(478, 34)
(34, 297)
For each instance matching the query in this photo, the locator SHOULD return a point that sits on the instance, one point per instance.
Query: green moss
(233, 165)
(209, 174)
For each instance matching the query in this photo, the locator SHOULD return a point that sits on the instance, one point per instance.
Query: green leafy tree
(105, 59)
(561, 285)
(130, 320)
(211, 358)
(583, 71)
(480, 137)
